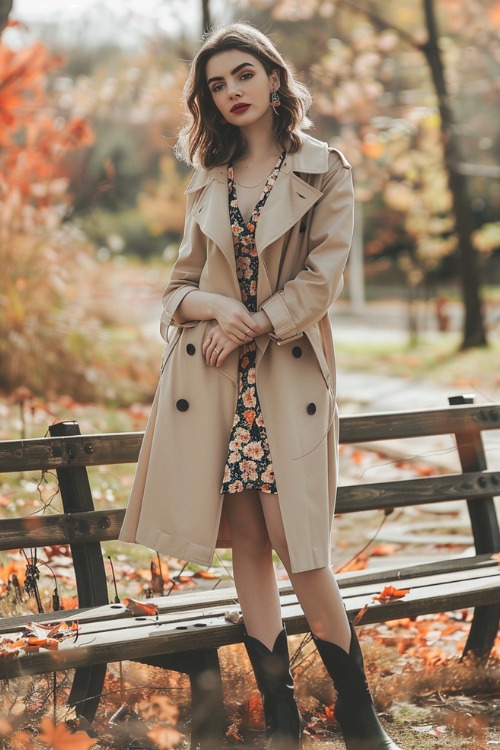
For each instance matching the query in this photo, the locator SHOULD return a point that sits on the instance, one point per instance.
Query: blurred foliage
(133, 104)
(87, 137)
(51, 314)
(373, 96)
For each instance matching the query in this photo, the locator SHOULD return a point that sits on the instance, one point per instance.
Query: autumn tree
(473, 329)
(377, 74)
(48, 265)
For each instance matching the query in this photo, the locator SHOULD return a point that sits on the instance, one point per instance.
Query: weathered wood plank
(408, 424)
(120, 620)
(123, 447)
(61, 528)
(462, 567)
(101, 526)
(420, 491)
(213, 632)
(75, 450)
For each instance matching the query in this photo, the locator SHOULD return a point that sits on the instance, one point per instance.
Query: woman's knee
(248, 527)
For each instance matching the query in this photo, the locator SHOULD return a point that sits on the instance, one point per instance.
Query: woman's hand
(217, 346)
(235, 322)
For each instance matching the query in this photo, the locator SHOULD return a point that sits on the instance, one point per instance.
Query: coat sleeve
(304, 300)
(186, 270)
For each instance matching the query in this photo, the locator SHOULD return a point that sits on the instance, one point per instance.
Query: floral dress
(249, 465)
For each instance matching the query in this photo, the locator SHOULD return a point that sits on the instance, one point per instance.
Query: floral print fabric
(249, 465)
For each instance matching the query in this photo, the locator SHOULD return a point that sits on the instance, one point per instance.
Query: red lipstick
(239, 108)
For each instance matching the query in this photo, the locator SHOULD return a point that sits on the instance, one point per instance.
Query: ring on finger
(217, 351)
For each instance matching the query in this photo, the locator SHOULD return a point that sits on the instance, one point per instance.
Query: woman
(241, 445)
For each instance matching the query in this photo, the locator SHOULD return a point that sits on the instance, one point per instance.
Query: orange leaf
(382, 550)
(21, 741)
(494, 15)
(360, 615)
(59, 737)
(140, 608)
(207, 574)
(357, 563)
(389, 594)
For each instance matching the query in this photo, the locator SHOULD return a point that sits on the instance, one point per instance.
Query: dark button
(311, 408)
(297, 352)
(190, 348)
(182, 404)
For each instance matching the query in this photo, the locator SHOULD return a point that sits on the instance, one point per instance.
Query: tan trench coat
(303, 239)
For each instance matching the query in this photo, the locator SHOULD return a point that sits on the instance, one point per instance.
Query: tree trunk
(5, 8)
(474, 333)
(206, 21)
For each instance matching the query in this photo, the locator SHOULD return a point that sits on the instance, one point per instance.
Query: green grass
(435, 358)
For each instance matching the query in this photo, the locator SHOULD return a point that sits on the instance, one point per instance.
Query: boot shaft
(275, 683)
(354, 708)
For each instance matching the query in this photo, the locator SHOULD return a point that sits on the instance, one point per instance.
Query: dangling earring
(275, 100)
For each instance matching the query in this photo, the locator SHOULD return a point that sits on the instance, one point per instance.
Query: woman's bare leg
(316, 590)
(253, 568)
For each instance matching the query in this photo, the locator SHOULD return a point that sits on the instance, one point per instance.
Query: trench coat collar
(291, 197)
(311, 158)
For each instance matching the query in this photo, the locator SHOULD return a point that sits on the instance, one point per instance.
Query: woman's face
(240, 87)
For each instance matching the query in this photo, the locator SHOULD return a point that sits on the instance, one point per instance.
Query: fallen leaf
(22, 741)
(357, 619)
(384, 550)
(234, 617)
(42, 631)
(5, 727)
(140, 608)
(207, 574)
(389, 594)
(59, 737)
(359, 562)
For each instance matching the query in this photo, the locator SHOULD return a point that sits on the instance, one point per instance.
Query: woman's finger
(205, 345)
(214, 358)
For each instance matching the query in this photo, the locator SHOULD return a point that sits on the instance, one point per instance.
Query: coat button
(182, 404)
(311, 408)
(297, 352)
(190, 348)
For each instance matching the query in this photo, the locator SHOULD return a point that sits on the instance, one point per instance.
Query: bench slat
(104, 525)
(422, 491)
(120, 621)
(123, 447)
(71, 451)
(61, 528)
(213, 632)
(408, 424)
(226, 597)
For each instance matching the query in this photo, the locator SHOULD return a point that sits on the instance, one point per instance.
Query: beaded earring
(275, 100)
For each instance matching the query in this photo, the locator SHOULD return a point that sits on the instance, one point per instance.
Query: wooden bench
(191, 627)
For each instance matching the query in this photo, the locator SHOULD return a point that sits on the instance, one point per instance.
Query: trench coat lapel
(290, 198)
(211, 209)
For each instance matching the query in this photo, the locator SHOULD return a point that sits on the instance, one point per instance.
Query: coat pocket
(169, 347)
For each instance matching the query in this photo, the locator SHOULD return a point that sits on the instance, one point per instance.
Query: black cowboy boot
(275, 682)
(354, 709)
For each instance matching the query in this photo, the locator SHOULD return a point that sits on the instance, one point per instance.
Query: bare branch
(381, 23)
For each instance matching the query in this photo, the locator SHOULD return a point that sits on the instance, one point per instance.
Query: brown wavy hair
(203, 139)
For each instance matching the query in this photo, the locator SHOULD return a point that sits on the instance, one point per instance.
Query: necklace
(250, 187)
